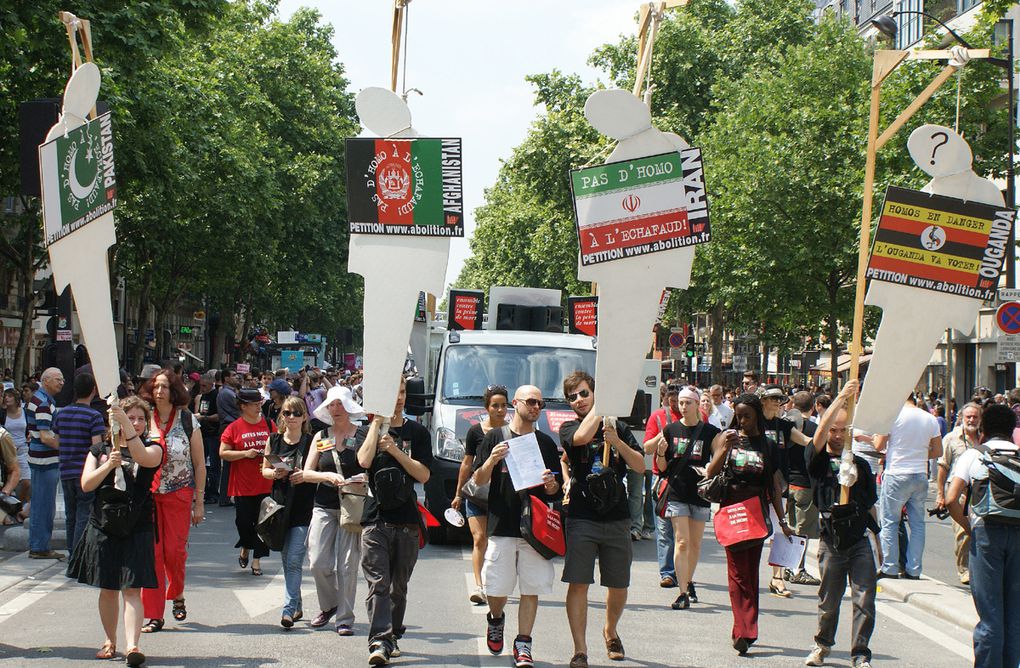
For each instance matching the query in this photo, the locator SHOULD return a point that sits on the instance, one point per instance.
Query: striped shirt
(76, 425)
(39, 413)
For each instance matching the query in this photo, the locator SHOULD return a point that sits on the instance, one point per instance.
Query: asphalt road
(46, 620)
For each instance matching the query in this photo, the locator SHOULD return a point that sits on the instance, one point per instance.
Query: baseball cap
(280, 386)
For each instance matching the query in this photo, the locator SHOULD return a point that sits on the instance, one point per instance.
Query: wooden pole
(398, 31)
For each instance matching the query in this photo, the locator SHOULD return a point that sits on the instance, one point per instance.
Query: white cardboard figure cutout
(914, 319)
(629, 288)
(395, 269)
(79, 259)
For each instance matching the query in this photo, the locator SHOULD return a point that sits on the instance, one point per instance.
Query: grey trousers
(333, 556)
(388, 556)
(858, 566)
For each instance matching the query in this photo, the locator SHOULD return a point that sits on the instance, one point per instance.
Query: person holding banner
(844, 551)
(116, 553)
(753, 478)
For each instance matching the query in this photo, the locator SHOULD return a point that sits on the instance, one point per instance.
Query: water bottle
(596, 466)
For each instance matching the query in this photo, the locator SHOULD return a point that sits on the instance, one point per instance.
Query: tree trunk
(764, 357)
(833, 288)
(26, 278)
(142, 324)
(715, 342)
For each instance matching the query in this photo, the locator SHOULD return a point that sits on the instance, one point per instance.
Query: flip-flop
(180, 612)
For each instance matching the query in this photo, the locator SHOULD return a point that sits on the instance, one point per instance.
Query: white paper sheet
(525, 463)
(787, 552)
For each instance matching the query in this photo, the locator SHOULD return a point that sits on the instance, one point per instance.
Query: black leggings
(246, 516)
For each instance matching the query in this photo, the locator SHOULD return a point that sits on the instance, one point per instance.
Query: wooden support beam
(907, 113)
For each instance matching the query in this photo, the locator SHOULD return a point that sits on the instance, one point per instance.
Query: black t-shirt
(473, 439)
(581, 460)
(689, 447)
(138, 480)
(270, 410)
(753, 465)
(414, 439)
(326, 495)
(504, 502)
(207, 407)
(796, 460)
(824, 470)
(778, 431)
(299, 512)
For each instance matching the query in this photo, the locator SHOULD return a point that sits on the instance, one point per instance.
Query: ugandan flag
(938, 243)
(405, 187)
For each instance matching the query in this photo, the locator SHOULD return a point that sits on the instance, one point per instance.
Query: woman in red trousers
(752, 462)
(177, 492)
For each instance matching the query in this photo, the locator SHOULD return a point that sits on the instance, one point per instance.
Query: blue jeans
(664, 547)
(639, 499)
(44, 506)
(77, 507)
(293, 558)
(995, 586)
(910, 490)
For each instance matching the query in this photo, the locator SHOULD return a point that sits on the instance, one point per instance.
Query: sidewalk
(934, 597)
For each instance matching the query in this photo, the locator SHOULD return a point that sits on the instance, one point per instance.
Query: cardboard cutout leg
(395, 269)
(80, 260)
(629, 292)
(912, 326)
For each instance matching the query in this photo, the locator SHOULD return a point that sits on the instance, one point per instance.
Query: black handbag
(714, 489)
(10, 504)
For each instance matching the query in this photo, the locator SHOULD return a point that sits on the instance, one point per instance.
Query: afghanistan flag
(405, 186)
(940, 243)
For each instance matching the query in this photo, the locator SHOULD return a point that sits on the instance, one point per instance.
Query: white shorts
(511, 561)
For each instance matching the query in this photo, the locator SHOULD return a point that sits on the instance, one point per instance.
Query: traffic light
(689, 348)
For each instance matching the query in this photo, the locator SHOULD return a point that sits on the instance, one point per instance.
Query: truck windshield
(469, 369)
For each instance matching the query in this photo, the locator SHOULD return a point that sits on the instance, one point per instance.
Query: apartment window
(911, 25)
(966, 5)
(943, 10)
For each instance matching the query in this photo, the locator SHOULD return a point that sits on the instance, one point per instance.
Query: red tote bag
(542, 527)
(741, 525)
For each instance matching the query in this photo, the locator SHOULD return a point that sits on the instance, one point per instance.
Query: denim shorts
(471, 510)
(680, 509)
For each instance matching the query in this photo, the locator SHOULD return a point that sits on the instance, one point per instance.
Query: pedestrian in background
(44, 464)
(15, 421)
(243, 444)
(78, 427)
(334, 550)
(229, 410)
(495, 402)
(657, 421)
(118, 557)
(204, 410)
(178, 497)
(966, 435)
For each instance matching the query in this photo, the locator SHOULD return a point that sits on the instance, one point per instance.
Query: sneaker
(478, 597)
(579, 660)
(635, 536)
(394, 648)
(682, 602)
(965, 577)
(805, 578)
(378, 653)
(647, 535)
(788, 575)
(494, 634)
(522, 652)
(667, 582)
(882, 575)
(817, 656)
(322, 618)
(48, 554)
(692, 593)
(344, 630)
(908, 576)
(862, 664)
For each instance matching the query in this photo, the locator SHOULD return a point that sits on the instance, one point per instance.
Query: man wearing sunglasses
(598, 515)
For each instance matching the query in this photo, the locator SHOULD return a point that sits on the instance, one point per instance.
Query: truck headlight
(450, 447)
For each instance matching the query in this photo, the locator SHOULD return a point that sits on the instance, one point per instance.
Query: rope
(403, 76)
(959, 85)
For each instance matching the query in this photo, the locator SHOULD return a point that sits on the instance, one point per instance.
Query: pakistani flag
(405, 187)
(78, 180)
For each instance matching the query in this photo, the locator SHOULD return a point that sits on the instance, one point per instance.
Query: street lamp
(887, 26)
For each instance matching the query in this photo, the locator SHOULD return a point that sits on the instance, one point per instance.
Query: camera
(936, 512)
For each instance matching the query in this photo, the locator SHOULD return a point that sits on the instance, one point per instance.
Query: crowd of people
(313, 477)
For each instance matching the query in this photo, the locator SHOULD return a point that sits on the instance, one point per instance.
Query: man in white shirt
(721, 409)
(995, 536)
(915, 438)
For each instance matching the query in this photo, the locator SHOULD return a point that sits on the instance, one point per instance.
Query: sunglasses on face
(292, 414)
(533, 403)
(584, 394)
(494, 388)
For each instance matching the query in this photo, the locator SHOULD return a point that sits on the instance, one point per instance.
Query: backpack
(996, 498)
(391, 485)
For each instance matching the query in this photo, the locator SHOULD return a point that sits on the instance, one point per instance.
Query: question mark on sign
(945, 140)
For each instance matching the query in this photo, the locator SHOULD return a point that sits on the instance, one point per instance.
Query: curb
(934, 597)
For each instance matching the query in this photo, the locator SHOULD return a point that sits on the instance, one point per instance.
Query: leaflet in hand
(525, 463)
(787, 552)
(279, 463)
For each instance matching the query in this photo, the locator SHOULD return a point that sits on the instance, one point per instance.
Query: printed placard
(940, 243)
(584, 315)
(405, 187)
(78, 179)
(635, 207)
(465, 309)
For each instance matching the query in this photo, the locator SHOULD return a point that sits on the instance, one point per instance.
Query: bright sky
(469, 59)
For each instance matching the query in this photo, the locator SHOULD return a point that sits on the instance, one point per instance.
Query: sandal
(782, 591)
(242, 560)
(180, 612)
(154, 626)
(135, 657)
(107, 651)
(256, 571)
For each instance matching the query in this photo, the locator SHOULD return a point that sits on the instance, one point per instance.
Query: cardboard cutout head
(383, 113)
(939, 151)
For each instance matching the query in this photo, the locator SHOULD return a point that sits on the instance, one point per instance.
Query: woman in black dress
(117, 552)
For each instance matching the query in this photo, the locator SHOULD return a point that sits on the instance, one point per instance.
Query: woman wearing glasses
(495, 401)
(287, 451)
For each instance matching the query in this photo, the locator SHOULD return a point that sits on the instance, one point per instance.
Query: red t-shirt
(656, 423)
(246, 474)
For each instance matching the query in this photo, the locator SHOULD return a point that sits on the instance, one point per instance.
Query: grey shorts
(609, 542)
(801, 513)
(680, 509)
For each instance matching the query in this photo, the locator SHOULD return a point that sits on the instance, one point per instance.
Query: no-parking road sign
(1007, 317)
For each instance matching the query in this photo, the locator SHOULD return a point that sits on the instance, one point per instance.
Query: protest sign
(405, 187)
(645, 205)
(940, 243)
(465, 310)
(584, 315)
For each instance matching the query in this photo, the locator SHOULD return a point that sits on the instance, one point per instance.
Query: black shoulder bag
(662, 484)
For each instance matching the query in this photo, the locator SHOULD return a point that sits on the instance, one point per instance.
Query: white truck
(456, 367)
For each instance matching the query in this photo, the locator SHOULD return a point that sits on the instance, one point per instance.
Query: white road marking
(258, 601)
(42, 589)
(896, 614)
